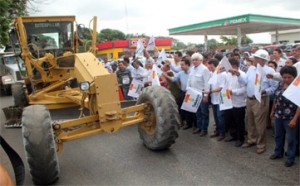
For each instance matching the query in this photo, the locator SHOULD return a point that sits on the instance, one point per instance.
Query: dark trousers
(189, 117)
(235, 122)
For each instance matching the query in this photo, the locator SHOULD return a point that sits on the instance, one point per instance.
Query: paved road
(121, 159)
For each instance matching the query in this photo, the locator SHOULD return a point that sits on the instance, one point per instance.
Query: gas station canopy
(243, 24)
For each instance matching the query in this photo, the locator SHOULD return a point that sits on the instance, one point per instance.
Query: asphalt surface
(121, 159)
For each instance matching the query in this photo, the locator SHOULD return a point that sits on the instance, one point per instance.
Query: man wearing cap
(257, 112)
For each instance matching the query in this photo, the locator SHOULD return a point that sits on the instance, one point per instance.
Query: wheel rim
(149, 124)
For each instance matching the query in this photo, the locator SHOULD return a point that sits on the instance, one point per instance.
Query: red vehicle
(271, 48)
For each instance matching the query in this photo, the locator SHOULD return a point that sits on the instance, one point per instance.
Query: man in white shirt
(148, 68)
(177, 59)
(277, 54)
(235, 117)
(198, 79)
(276, 75)
(107, 65)
(139, 73)
(215, 88)
(257, 112)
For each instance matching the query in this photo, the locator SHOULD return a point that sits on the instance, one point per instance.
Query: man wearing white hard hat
(257, 110)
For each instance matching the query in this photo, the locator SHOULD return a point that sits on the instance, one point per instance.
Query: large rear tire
(19, 94)
(160, 129)
(40, 148)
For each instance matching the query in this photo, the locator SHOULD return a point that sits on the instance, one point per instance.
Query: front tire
(160, 129)
(40, 148)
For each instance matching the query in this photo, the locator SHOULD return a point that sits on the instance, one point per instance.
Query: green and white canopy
(237, 25)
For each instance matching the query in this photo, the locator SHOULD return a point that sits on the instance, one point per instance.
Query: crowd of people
(248, 119)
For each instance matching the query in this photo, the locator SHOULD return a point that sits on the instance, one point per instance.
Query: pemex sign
(236, 20)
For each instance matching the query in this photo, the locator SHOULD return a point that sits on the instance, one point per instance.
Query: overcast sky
(155, 17)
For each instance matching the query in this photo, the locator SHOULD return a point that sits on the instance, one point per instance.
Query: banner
(257, 82)
(151, 44)
(292, 92)
(135, 88)
(154, 76)
(162, 56)
(223, 66)
(225, 101)
(139, 48)
(192, 100)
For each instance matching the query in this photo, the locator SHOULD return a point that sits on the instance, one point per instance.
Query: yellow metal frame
(102, 98)
(49, 89)
(78, 128)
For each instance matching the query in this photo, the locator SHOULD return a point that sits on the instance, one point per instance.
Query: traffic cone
(121, 97)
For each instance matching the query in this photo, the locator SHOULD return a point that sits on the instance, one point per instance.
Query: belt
(252, 98)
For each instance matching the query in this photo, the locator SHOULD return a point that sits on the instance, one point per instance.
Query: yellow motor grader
(57, 77)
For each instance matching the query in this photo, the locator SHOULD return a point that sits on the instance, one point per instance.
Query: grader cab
(57, 77)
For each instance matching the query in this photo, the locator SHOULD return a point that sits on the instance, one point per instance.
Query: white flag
(154, 76)
(135, 88)
(257, 82)
(192, 100)
(292, 92)
(162, 56)
(224, 65)
(151, 44)
(225, 101)
(139, 48)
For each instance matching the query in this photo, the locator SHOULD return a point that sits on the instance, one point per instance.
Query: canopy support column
(239, 36)
(205, 42)
(276, 36)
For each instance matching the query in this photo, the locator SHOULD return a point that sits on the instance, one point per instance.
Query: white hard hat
(262, 54)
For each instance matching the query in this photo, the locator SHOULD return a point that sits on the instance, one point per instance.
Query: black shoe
(196, 131)
(186, 127)
(230, 139)
(203, 133)
(274, 157)
(238, 143)
(288, 164)
(216, 134)
(221, 137)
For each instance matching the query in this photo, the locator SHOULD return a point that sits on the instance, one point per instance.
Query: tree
(212, 43)
(245, 40)
(110, 35)
(9, 10)
(229, 40)
(177, 45)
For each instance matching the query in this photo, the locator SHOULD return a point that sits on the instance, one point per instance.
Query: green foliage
(9, 10)
(212, 43)
(233, 40)
(110, 35)
(177, 45)
(246, 40)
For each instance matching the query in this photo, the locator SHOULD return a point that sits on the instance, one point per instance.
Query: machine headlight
(84, 85)
(7, 80)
